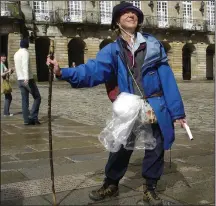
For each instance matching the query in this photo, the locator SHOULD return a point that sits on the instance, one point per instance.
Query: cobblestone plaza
(78, 115)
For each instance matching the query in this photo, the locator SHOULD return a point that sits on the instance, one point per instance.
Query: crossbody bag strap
(129, 70)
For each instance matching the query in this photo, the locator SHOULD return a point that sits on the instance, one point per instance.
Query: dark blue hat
(24, 43)
(119, 8)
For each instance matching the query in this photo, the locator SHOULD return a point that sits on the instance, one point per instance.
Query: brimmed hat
(118, 9)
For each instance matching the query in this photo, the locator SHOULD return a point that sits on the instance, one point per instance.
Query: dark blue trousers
(7, 103)
(33, 90)
(152, 165)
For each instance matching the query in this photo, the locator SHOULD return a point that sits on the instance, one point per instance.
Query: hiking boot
(151, 197)
(104, 192)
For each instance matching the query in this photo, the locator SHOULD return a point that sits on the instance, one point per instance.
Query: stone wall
(176, 58)
(93, 47)
(13, 46)
(200, 60)
(61, 51)
(94, 34)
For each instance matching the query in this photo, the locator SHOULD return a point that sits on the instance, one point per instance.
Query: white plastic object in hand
(188, 131)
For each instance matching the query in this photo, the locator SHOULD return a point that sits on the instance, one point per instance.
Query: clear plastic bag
(126, 126)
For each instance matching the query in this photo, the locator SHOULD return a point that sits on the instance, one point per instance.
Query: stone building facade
(185, 28)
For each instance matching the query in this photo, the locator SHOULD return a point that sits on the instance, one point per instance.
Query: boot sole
(98, 199)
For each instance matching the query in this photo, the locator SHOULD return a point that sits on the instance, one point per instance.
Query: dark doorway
(104, 43)
(42, 50)
(210, 52)
(4, 46)
(76, 48)
(187, 50)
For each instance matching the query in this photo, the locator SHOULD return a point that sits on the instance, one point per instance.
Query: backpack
(112, 85)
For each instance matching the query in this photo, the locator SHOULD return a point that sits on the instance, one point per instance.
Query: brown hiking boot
(104, 192)
(151, 197)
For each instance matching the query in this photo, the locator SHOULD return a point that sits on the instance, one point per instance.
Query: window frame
(4, 8)
(135, 3)
(75, 11)
(106, 11)
(187, 14)
(210, 15)
(162, 14)
(42, 13)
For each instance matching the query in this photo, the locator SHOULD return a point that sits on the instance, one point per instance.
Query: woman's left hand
(11, 70)
(181, 122)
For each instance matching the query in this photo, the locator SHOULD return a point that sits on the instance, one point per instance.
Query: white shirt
(22, 64)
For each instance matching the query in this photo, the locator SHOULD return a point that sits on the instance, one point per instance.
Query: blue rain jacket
(156, 76)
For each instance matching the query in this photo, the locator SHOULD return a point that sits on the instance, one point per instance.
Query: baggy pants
(152, 165)
(33, 90)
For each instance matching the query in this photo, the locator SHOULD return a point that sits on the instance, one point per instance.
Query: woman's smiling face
(129, 20)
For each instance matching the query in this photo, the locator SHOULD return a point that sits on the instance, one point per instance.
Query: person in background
(5, 75)
(27, 84)
(135, 60)
(73, 64)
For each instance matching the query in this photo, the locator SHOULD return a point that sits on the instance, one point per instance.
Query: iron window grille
(162, 14)
(41, 10)
(187, 15)
(210, 15)
(74, 12)
(4, 9)
(106, 12)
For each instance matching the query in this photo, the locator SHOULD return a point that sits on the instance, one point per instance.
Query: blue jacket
(156, 76)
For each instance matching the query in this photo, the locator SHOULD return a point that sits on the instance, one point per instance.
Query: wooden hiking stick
(51, 54)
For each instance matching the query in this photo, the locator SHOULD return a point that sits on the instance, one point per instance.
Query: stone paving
(79, 159)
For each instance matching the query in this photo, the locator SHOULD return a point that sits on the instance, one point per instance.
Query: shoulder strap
(114, 55)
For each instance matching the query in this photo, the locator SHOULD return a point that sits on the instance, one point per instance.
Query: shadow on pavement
(11, 196)
(16, 113)
(169, 178)
(44, 119)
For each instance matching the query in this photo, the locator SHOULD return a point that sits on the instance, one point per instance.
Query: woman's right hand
(56, 68)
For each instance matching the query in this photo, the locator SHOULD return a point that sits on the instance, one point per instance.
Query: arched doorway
(4, 46)
(76, 48)
(42, 49)
(187, 52)
(104, 43)
(210, 54)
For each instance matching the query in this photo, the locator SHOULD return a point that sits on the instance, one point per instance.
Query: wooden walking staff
(51, 54)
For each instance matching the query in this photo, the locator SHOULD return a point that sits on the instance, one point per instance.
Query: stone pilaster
(175, 58)
(32, 57)
(13, 46)
(61, 50)
(86, 51)
(93, 47)
(199, 67)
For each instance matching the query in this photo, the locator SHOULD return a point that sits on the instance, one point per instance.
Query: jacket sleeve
(171, 92)
(94, 72)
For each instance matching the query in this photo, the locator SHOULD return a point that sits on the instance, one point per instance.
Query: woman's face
(129, 20)
(3, 59)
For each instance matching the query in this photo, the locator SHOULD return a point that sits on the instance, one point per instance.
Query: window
(41, 9)
(187, 15)
(106, 12)
(75, 11)
(136, 3)
(4, 9)
(162, 14)
(211, 15)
